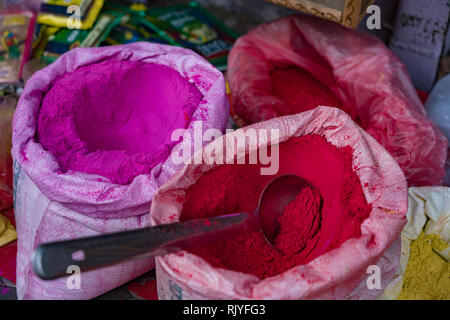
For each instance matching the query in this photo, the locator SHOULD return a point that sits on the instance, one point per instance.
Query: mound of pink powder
(115, 118)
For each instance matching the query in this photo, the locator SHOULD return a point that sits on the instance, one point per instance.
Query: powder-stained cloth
(341, 273)
(51, 205)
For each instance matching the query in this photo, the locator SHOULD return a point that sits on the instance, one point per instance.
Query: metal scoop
(52, 260)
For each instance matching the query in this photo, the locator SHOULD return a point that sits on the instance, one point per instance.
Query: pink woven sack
(360, 70)
(51, 206)
(338, 274)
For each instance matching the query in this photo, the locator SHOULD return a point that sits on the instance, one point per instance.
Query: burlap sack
(338, 274)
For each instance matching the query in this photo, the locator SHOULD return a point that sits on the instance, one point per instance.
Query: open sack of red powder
(300, 62)
(332, 236)
(92, 144)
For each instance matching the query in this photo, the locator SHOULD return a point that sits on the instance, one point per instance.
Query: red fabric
(326, 225)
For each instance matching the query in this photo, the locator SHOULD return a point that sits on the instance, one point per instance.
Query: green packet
(66, 39)
(193, 27)
(134, 29)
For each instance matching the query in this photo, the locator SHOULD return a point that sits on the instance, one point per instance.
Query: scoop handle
(53, 260)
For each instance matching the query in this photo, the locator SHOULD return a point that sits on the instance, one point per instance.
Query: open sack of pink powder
(92, 144)
(333, 237)
(300, 62)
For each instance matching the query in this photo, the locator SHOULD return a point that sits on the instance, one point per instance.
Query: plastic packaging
(16, 32)
(338, 274)
(359, 69)
(51, 205)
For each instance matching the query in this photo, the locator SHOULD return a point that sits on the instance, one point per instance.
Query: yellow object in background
(424, 269)
(88, 12)
(7, 231)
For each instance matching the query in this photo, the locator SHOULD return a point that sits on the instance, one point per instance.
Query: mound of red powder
(320, 219)
(300, 91)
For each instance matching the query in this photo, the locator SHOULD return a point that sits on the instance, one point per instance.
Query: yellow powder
(427, 275)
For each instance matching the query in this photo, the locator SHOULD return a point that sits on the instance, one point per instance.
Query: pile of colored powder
(320, 219)
(300, 91)
(115, 118)
(427, 275)
(7, 231)
(300, 235)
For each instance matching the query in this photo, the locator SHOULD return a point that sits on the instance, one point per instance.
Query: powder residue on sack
(300, 91)
(427, 275)
(115, 118)
(320, 219)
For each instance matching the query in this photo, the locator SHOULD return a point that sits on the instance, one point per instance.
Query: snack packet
(63, 13)
(193, 27)
(135, 29)
(16, 33)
